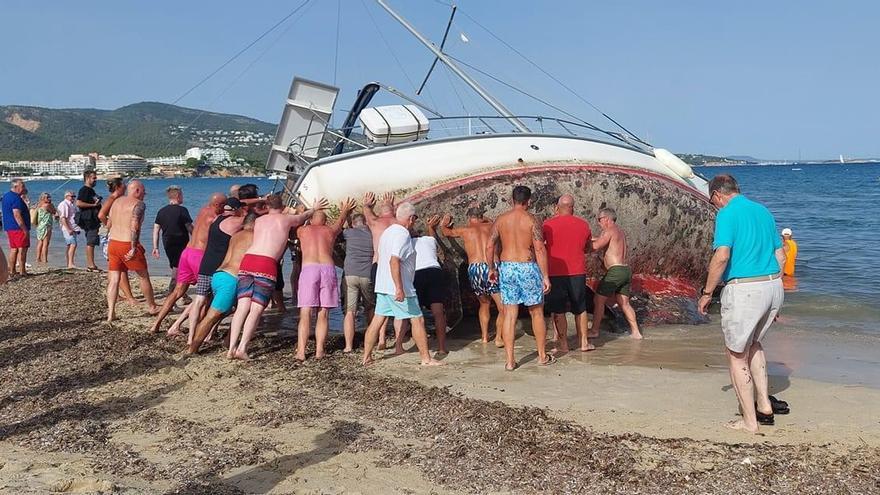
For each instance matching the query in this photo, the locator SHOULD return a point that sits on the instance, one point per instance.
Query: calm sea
(834, 211)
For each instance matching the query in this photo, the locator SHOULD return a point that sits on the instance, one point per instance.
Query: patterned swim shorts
(521, 283)
(478, 275)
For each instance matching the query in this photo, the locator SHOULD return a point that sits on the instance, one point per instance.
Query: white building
(167, 161)
(216, 156)
(37, 167)
(193, 153)
(121, 164)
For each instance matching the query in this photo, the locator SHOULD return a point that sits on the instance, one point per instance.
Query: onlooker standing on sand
(617, 281)
(395, 293)
(45, 214)
(89, 204)
(318, 286)
(357, 285)
(69, 228)
(175, 224)
(568, 237)
(748, 258)
(17, 224)
(521, 273)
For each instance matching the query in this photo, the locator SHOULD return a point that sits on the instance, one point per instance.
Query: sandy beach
(88, 408)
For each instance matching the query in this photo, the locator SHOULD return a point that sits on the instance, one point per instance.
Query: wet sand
(89, 407)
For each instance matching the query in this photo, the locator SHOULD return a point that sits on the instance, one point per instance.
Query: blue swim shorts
(408, 308)
(224, 286)
(521, 283)
(478, 275)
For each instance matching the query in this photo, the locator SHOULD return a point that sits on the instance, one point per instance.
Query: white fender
(673, 163)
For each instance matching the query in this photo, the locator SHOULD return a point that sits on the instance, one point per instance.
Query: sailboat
(842, 160)
(661, 203)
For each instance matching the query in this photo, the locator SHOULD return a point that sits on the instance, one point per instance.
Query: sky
(774, 80)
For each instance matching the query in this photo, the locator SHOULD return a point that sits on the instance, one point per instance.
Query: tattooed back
(517, 230)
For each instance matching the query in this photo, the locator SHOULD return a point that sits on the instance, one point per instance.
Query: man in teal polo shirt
(748, 258)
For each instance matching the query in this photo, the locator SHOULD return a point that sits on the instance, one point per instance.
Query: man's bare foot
(636, 336)
(592, 335)
(72, 267)
(741, 425)
(173, 332)
(588, 348)
(111, 318)
(381, 346)
(300, 357)
(230, 354)
(368, 361)
(132, 301)
(154, 328)
(433, 362)
(241, 355)
(484, 340)
(347, 351)
(398, 350)
(499, 343)
(511, 367)
(153, 310)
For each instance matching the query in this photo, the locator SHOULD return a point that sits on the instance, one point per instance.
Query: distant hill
(147, 129)
(699, 160)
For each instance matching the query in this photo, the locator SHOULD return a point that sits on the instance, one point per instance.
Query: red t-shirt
(566, 236)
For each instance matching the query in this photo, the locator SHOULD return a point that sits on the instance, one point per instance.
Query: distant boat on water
(796, 169)
(842, 160)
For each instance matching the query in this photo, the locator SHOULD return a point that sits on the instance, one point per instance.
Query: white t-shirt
(66, 209)
(426, 252)
(395, 241)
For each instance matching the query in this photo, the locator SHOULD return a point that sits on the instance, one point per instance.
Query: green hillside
(147, 129)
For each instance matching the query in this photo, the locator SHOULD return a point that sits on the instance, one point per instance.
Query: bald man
(191, 257)
(125, 252)
(567, 237)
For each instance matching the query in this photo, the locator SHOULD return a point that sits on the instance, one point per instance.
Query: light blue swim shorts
(521, 283)
(224, 286)
(408, 308)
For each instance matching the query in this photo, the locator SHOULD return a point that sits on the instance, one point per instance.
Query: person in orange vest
(791, 248)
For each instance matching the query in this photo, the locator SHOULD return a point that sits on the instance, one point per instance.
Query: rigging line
(240, 52)
(397, 60)
(238, 77)
(551, 76)
(554, 107)
(336, 54)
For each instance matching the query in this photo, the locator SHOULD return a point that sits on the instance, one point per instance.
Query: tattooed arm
(137, 219)
(492, 252)
(540, 252)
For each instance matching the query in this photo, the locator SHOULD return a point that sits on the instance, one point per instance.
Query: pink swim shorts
(188, 268)
(318, 287)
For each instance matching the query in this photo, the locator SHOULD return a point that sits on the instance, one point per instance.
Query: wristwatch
(707, 293)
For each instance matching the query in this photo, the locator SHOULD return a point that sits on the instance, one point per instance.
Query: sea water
(834, 211)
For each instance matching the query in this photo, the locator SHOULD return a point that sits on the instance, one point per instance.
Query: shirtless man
(475, 235)
(224, 282)
(318, 286)
(522, 272)
(125, 252)
(617, 278)
(257, 270)
(117, 190)
(378, 224)
(190, 259)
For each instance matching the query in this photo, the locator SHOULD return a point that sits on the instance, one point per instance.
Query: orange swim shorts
(116, 261)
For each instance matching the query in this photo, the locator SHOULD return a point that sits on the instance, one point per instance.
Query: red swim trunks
(116, 262)
(256, 278)
(18, 239)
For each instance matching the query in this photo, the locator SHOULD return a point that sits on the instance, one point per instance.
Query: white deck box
(394, 124)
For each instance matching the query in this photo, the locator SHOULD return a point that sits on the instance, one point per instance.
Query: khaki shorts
(748, 310)
(354, 287)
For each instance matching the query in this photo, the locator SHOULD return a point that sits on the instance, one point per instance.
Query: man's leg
(439, 313)
(112, 290)
(348, 330)
(238, 319)
(22, 261)
(371, 336)
(499, 320)
(203, 329)
(322, 328)
(745, 390)
(598, 313)
(401, 330)
(90, 256)
(173, 282)
(250, 326)
(508, 332)
(581, 325)
(561, 323)
(174, 329)
(71, 253)
(758, 367)
(125, 287)
(196, 308)
(147, 289)
(382, 336)
(420, 335)
(630, 314)
(539, 328)
(168, 305)
(13, 260)
(484, 313)
(303, 331)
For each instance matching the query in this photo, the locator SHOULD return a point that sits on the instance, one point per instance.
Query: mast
(497, 105)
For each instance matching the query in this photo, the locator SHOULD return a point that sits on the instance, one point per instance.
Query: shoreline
(91, 407)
